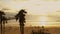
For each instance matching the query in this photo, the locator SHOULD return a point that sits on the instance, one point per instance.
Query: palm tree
(21, 17)
(2, 20)
(1, 16)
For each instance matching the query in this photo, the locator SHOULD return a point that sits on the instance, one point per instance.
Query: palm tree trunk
(22, 29)
(1, 27)
(4, 28)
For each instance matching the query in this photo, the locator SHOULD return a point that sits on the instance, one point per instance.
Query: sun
(43, 20)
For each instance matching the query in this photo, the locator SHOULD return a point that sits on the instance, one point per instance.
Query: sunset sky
(32, 6)
(45, 8)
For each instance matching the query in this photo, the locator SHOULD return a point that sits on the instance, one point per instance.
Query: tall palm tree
(2, 20)
(1, 15)
(21, 17)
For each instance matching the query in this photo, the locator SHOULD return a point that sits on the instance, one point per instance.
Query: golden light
(43, 21)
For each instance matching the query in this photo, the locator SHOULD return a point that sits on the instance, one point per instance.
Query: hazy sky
(34, 7)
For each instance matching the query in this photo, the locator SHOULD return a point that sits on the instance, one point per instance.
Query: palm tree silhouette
(2, 20)
(21, 17)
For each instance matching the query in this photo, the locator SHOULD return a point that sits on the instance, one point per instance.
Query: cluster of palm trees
(20, 16)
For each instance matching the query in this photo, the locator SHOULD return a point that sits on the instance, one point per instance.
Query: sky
(34, 7)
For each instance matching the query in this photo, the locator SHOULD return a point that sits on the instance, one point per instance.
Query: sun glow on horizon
(43, 21)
